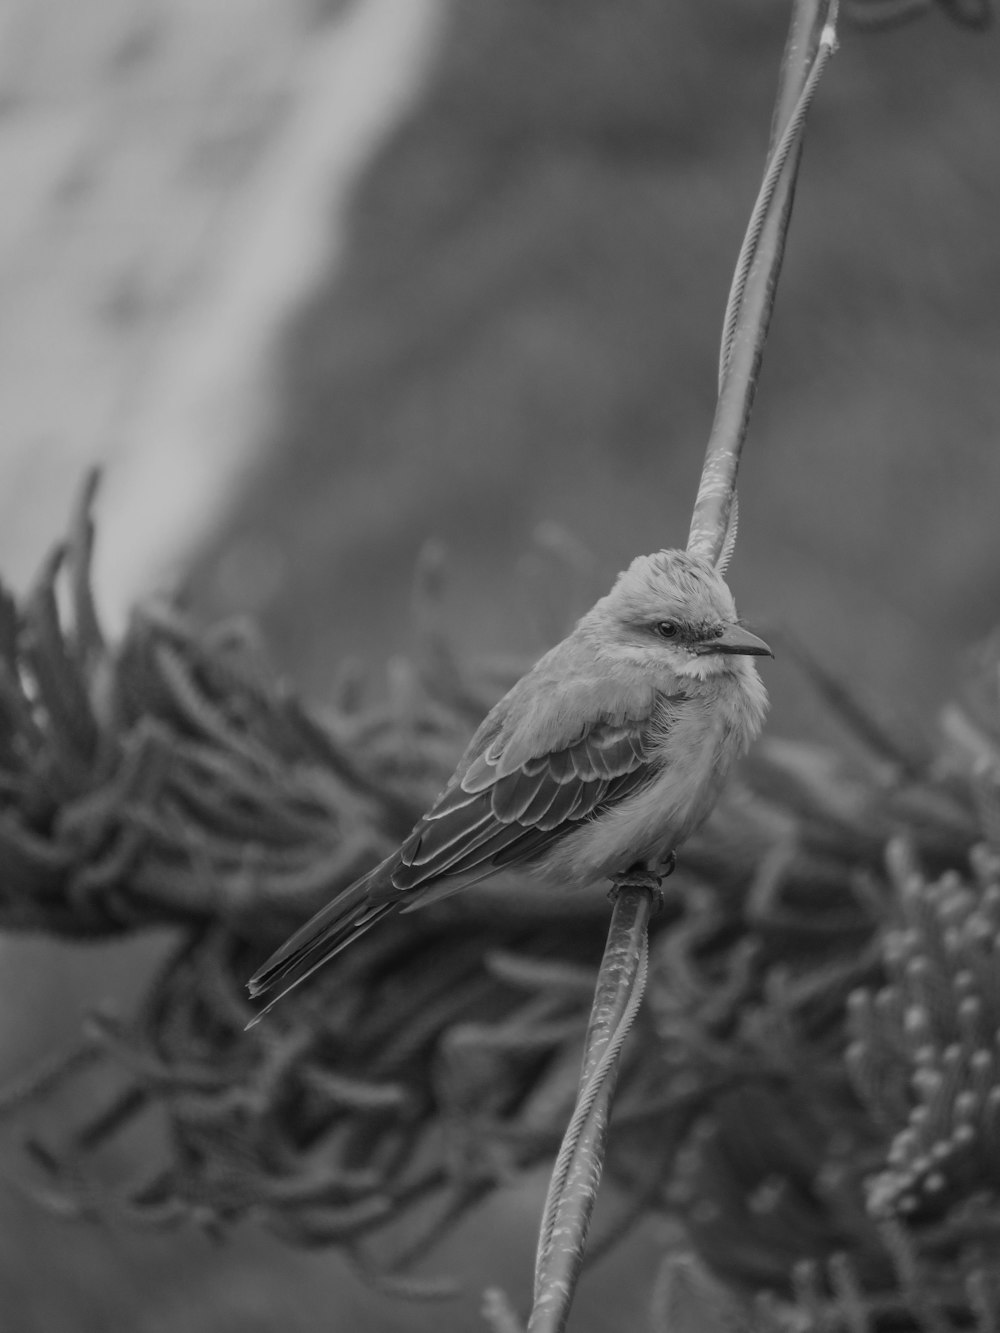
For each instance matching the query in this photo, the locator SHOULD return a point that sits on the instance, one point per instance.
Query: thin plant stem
(577, 1173)
(751, 297)
(786, 151)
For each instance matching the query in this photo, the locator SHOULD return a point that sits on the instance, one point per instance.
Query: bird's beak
(734, 640)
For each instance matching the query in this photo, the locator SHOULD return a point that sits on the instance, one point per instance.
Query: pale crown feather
(669, 585)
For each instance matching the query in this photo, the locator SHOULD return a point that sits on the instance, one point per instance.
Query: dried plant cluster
(813, 1090)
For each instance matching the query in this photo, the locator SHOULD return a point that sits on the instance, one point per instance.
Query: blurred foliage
(813, 1090)
(976, 14)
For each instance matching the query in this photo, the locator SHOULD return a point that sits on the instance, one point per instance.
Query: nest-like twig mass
(814, 1088)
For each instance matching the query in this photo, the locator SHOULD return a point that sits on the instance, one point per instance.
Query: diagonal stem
(812, 40)
(577, 1173)
(764, 241)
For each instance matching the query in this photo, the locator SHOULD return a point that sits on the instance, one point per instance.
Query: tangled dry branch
(813, 1090)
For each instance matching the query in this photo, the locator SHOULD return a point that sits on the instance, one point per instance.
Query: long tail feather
(332, 929)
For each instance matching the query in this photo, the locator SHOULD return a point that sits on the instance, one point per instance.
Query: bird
(599, 762)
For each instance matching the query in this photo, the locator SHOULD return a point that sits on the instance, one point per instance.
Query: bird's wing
(498, 813)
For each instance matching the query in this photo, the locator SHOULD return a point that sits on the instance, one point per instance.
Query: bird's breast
(694, 745)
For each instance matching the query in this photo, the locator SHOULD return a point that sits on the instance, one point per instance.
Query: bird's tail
(333, 928)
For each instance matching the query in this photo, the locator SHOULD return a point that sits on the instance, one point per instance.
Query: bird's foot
(641, 877)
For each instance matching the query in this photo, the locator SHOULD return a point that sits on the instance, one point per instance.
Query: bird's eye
(666, 629)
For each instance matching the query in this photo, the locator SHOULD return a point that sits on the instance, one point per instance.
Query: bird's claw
(640, 877)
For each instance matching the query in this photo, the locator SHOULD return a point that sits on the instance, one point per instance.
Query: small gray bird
(606, 756)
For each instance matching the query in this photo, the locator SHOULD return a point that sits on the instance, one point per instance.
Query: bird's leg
(640, 876)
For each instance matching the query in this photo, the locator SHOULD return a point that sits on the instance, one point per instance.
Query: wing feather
(491, 818)
(435, 839)
(566, 806)
(560, 766)
(537, 812)
(512, 796)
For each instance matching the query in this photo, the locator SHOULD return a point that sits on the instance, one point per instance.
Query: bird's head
(674, 610)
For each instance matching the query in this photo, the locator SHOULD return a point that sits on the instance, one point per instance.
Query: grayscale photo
(499, 666)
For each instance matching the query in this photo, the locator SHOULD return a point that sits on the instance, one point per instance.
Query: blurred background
(321, 282)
